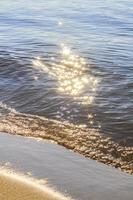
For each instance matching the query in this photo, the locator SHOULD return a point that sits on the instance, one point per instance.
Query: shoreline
(88, 143)
(14, 187)
(69, 173)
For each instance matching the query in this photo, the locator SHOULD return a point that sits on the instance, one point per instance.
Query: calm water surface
(69, 60)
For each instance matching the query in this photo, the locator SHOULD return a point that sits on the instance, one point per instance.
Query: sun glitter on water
(71, 76)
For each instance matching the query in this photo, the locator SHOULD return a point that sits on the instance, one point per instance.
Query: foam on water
(6, 109)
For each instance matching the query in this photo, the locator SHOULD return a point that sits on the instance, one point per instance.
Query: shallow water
(65, 171)
(69, 60)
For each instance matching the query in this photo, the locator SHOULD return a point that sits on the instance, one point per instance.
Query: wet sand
(87, 142)
(65, 171)
(15, 187)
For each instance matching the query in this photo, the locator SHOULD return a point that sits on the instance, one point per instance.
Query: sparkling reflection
(60, 23)
(71, 75)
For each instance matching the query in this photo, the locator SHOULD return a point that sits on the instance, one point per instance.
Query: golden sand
(17, 187)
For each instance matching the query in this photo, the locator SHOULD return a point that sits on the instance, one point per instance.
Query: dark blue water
(69, 60)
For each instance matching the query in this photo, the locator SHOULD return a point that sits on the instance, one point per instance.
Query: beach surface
(65, 171)
(14, 187)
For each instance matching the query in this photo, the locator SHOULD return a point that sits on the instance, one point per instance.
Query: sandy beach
(14, 187)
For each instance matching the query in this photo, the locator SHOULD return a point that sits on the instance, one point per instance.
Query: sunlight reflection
(60, 23)
(71, 75)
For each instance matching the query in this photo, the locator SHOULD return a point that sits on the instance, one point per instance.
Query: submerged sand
(87, 142)
(15, 187)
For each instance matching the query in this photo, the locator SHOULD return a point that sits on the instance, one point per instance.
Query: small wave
(87, 142)
(5, 108)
